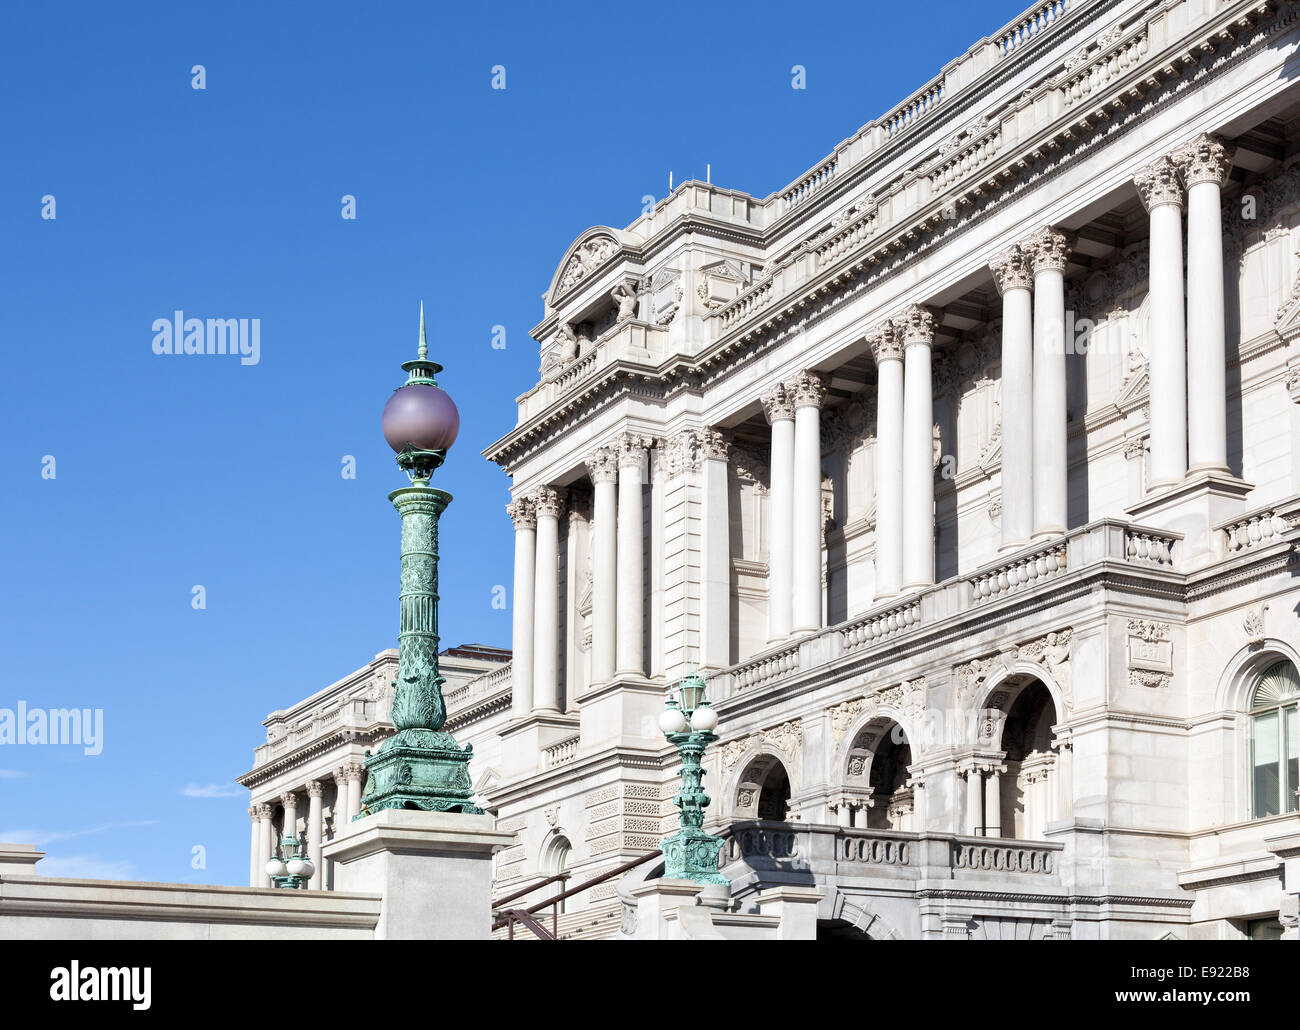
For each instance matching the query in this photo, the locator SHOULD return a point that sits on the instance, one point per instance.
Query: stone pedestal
(523, 742)
(432, 869)
(1193, 507)
(19, 860)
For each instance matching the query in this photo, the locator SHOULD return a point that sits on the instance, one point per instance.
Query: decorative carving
(786, 738)
(315, 788)
(1048, 250)
(586, 259)
(915, 325)
(523, 513)
(884, 343)
(995, 506)
(1203, 159)
(602, 465)
(1011, 270)
(1135, 449)
(970, 678)
(778, 405)
(684, 452)
(546, 502)
(625, 296)
(1053, 653)
(1148, 678)
(846, 428)
(749, 465)
(806, 390)
(907, 698)
(1158, 184)
(1150, 653)
(1253, 624)
(633, 450)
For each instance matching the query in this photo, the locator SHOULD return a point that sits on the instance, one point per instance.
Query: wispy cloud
(40, 837)
(212, 790)
(86, 867)
(13, 774)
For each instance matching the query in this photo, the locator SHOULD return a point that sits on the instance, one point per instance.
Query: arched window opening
(1019, 799)
(764, 790)
(774, 798)
(1275, 742)
(878, 796)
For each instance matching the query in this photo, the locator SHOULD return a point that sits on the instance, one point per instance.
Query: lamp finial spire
(424, 341)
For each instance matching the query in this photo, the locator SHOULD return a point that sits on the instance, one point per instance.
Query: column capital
(353, 771)
(602, 465)
(1203, 159)
(340, 776)
(633, 450)
(265, 811)
(254, 813)
(1158, 184)
(806, 389)
(915, 325)
(778, 405)
(1011, 271)
(547, 502)
(685, 451)
(522, 513)
(289, 799)
(315, 788)
(1048, 250)
(884, 343)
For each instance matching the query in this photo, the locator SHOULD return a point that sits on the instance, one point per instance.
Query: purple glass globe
(421, 415)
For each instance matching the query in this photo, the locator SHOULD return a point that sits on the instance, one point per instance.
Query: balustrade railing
(561, 753)
(1259, 528)
(854, 846)
(1149, 547)
(815, 180)
(1025, 570)
(1032, 25)
(996, 857)
(876, 626)
(1098, 70)
(765, 667)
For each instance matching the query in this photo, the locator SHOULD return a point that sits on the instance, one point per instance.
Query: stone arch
(1018, 756)
(855, 912)
(599, 237)
(1233, 696)
(874, 769)
(763, 787)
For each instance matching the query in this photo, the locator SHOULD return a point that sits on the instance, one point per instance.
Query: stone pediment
(589, 253)
(1133, 393)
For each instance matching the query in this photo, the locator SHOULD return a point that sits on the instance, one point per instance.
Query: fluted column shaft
(524, 516)
(356, 778)
(1205, 163)
(993, 804)
(315, 829)
(255, 861)
(974, 802)
(630, 645)
(290, 802)
(546, 603)
(603, 469)
(1161, 193)
(779, 409)
(1012, 273)
(265, 843)
(888, 352)
(807, 391)
(1049, 251)
(715, 553)
(916, 327)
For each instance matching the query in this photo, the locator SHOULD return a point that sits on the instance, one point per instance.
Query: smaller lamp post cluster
(291, 869)
(688, 721)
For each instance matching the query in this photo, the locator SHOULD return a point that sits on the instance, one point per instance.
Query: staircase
(598, 923)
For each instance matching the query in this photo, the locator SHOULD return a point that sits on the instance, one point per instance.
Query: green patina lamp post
(291, 869)
(688, 721)
(420, 766)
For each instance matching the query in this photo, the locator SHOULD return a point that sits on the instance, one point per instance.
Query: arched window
(1275, 741)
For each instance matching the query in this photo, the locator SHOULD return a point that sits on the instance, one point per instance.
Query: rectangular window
(1264, 760)
(1292, 758)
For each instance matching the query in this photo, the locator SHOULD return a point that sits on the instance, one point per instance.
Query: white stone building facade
(965, 467)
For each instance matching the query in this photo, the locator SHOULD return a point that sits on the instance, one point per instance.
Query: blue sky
(172, 472)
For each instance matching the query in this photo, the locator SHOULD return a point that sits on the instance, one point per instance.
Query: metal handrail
(514, 915)
(529, 889)
(509, 915)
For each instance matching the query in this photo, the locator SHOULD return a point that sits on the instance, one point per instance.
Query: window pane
(1292, 758)
(1264, 751)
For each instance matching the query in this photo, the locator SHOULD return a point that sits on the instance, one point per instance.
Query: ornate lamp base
(692, 854)
(419, 768)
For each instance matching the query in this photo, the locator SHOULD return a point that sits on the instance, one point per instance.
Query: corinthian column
(602, 467)
(1048, 251)
(778, 406)
(524, 515)
(1011, 273)
(546, 603)
(265, 833)
(315, 826)
(715, 552)
(888, 352)
(633, 454)
(290, 801)
(807, 390)
(915, 327)
(255, 861)
(1157, 184)
(1205, 163)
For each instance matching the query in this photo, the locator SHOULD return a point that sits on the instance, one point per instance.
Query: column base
(1194, 507)
(523, 741)
(1046, 533)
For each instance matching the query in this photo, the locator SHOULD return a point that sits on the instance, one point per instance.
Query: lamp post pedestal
(690, 853)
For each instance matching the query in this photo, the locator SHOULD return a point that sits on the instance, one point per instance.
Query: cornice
(1053, 149)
